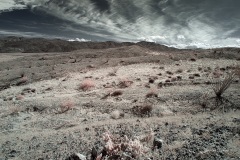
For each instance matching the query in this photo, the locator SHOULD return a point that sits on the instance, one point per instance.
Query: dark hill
(38, 45)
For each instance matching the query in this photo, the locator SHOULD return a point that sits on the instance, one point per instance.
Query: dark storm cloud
(180, 23)
(38, 23)
(102, 5)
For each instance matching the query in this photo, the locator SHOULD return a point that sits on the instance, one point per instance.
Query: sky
(176, 23)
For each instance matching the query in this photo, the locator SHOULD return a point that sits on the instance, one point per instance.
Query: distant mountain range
(38, 45)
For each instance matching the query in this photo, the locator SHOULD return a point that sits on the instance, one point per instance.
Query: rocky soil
(54, 104)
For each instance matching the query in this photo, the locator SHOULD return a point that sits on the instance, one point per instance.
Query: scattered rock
(169, 72)
(151, 93)
(151, 80)
(93, 153)
(196, 75)
(167, 80)
(157, 143)
(161, 67)
(49, 89)
(76, 156)
(116, 93)
(191, 77)
(193, 59)
(125, 83)
(160, 84)
(90, 66)
(173, 79)
(22, 81)
(19, 97)
(72, 61)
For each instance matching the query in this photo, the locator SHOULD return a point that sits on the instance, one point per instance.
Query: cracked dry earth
(53, 118)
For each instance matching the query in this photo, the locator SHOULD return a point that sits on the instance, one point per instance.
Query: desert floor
(55, 104)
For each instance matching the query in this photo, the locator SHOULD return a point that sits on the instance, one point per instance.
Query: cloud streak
(178, 23)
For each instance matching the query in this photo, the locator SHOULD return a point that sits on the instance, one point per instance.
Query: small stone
(157, 143)
(191, 77)
(91, 66)
(160, 84)
(151, 81)
(193, 59)
(19, 97)
(197, 75)
(49, 89)
(167, 81)
(161, 67)
(76, 156)
(169, 72)
(179, 77)
(93, 153)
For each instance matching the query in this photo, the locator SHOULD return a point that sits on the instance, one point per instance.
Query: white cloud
(26, 34)
(133, 20)
(7, 5)
(78, 40)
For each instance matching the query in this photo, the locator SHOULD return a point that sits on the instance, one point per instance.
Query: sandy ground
(47, 112)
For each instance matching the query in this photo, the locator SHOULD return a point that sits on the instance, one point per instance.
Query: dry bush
(116, 93)
(66, 106)
(152, 93)
(121, 147)
(124, 83)
(237, 71)
(221, 86)
(87, 84)
(142, 110)
(179, 71)
(169, 72)
(22, 80)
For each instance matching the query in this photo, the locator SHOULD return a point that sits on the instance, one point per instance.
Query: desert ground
(157, 103)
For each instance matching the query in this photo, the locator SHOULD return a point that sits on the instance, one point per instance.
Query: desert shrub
(124, 83)
(169, 72)
(142, 110)
(221, 86)
(87, 84)
(22, 81)
(65, 106)
(179, 71)
(122, 147)
(152, 93)
(116, 93)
